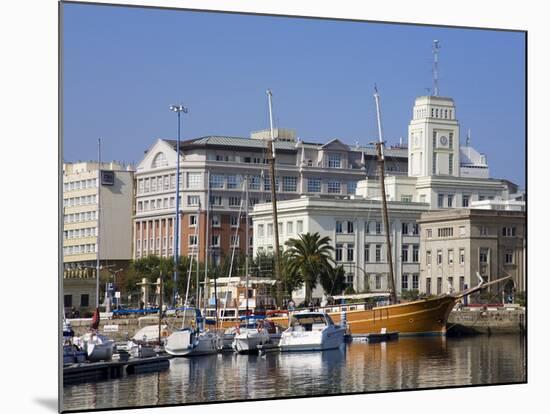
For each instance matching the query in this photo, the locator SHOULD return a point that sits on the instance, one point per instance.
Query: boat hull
(249, 341)
(422, 317)
(318, 341)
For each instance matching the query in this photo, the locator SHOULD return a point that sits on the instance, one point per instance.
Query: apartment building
(83, 204)
(220, 166)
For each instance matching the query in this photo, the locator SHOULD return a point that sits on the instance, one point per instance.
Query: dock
(372, 337)
(97, 371)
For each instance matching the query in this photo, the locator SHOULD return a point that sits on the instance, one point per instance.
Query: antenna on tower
(435, 69)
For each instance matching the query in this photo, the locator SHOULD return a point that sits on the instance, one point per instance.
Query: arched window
(159, 160)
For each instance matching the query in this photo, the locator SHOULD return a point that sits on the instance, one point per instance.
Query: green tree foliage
(309, 255)
(410, 295)
(333, 280)
(290, 277)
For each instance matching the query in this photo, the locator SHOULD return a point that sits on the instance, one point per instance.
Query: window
(289, 227)
(234, 201)
(267, 183)
(270, 230)
(334, 160)
(508, 231)
(429, 233)
(232, 182)
(68, 301)
(84, 300)
(483, 255)
(415, 253)
(153, 205)
(299, 226)
(415, 283)
(352, 187)
(483, 231)
(314, 185)
(289, 184)
(404, 282)
(215, 240)
(193, 200)
(378, 282)
(234, 221)
(280, 227)
(153, 184)
(461, 256)
(350, 252)
(415, 231)
(234, 240)
(508, 258)
(450, 256)
(260, 230)
(439, 257)
(429, 285)
(194, 180)
(465, 201)
(439, 285)
(450, 164)
(405, 253)
(378, 227)
(254, 182)
(450, 198)
(192, 220)
(461, 283)
(440, 200)
(434, 162)
(350, 227)
(451, 136)
(334, 187)
(445, 232)
(378, 253)
(338, 252)
(405, 228)
(216, 181)
(367, 253)
(215, 201)
(406, 198)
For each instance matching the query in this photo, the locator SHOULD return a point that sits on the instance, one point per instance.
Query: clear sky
(123, 67)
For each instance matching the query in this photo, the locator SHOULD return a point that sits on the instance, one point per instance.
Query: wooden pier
(97, 371)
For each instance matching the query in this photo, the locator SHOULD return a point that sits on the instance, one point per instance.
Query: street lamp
(179, 109)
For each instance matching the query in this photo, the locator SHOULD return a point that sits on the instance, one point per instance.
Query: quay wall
(487, 321)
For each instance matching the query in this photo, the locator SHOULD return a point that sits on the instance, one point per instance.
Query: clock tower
(434, 139)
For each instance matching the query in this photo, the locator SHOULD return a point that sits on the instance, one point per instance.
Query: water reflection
(407, 363)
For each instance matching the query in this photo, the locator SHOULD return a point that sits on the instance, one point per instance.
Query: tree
(290, 277)
(333, 280)
(308, 256)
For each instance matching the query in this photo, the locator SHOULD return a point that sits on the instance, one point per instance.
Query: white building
(82, 205)
(355, 227)
(440, 171)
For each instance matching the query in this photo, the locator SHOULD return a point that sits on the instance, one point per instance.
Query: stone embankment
(487, 320)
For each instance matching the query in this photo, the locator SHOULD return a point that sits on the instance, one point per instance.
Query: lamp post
(178, 109)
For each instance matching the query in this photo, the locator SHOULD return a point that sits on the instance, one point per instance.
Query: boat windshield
(308, 321)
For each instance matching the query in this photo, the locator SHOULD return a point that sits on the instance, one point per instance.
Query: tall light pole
(178, 109)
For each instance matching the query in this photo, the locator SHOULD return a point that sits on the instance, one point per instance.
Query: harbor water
(406, 363)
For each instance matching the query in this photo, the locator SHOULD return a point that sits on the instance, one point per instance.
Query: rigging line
(233, 252)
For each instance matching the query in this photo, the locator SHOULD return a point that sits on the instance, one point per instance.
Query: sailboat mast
(98, 220)
(380, 154)
(206, 242)
(271, 158)
(246, 242)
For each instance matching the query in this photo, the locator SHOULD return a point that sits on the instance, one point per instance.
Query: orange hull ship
(421, 317)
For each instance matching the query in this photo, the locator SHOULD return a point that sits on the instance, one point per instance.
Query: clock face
(443, 140)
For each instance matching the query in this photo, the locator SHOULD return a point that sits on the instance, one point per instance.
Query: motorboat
(250, 333)
(311, 331)
(71, 353)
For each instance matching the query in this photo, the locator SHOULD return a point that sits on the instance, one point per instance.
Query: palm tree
(309, 255)
(333, 280)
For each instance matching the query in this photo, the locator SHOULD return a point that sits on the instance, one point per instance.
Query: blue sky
(123, 67)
